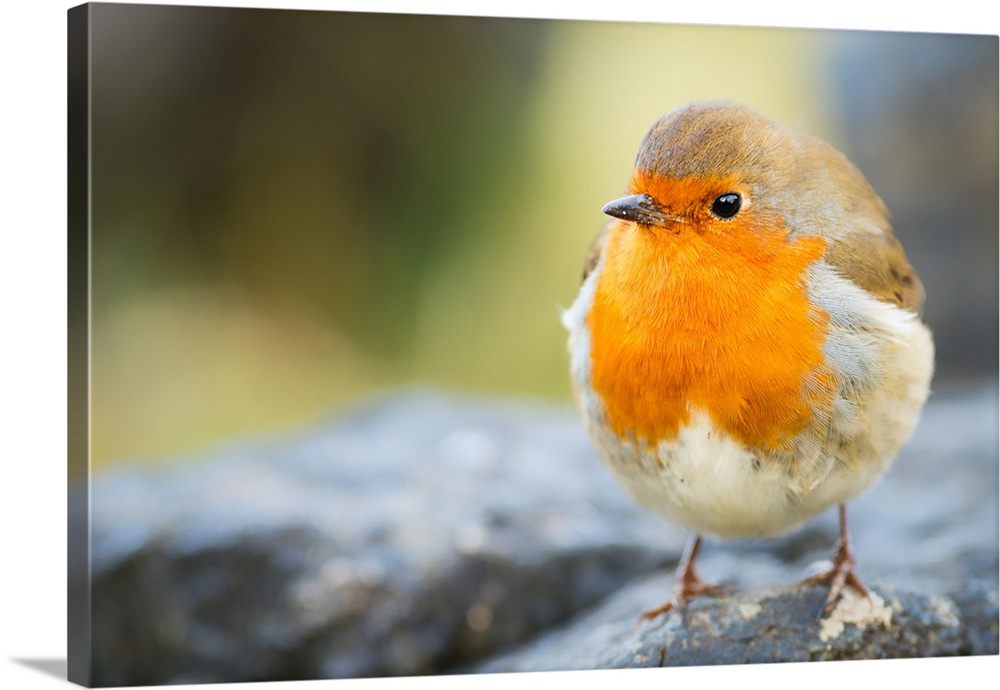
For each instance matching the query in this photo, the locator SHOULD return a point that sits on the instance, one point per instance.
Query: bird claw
(688, 589)
(837, 577)
(840, 575)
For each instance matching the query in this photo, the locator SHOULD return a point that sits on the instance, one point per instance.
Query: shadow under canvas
(50, 667)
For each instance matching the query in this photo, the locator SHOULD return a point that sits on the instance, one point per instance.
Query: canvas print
(405, 345)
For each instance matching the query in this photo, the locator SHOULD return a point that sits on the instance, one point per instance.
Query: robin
(747, 346)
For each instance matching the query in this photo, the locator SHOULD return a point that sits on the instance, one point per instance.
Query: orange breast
(709, 321)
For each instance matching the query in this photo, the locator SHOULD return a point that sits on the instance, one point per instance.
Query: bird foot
(841, 574)
(687, 589)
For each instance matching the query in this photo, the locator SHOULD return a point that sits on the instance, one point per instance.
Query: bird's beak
(640, 208)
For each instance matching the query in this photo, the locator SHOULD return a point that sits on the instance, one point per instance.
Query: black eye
(727, 205)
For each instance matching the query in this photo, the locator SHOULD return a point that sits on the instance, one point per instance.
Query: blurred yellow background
(294, 209)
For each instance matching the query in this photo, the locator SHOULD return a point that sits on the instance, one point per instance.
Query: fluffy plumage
(740, 375)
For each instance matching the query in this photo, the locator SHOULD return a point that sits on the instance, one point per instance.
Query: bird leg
(842, 573)
(689, 585)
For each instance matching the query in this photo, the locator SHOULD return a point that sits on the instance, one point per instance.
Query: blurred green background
(293, 209)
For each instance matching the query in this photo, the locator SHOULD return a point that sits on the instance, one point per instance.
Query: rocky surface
(761, 626)
(429, 533)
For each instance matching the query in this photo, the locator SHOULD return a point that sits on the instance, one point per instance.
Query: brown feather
(878, 263)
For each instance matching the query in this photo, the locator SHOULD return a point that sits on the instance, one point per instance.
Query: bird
(747, 346)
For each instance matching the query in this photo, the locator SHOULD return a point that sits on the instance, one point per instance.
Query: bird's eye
(727, 205)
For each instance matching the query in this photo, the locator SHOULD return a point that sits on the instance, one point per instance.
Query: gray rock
(428, 533)
(763, 626)
(977, 607)
(411, 534)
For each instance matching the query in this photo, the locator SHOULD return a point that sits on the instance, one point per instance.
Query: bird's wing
(876, 261)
